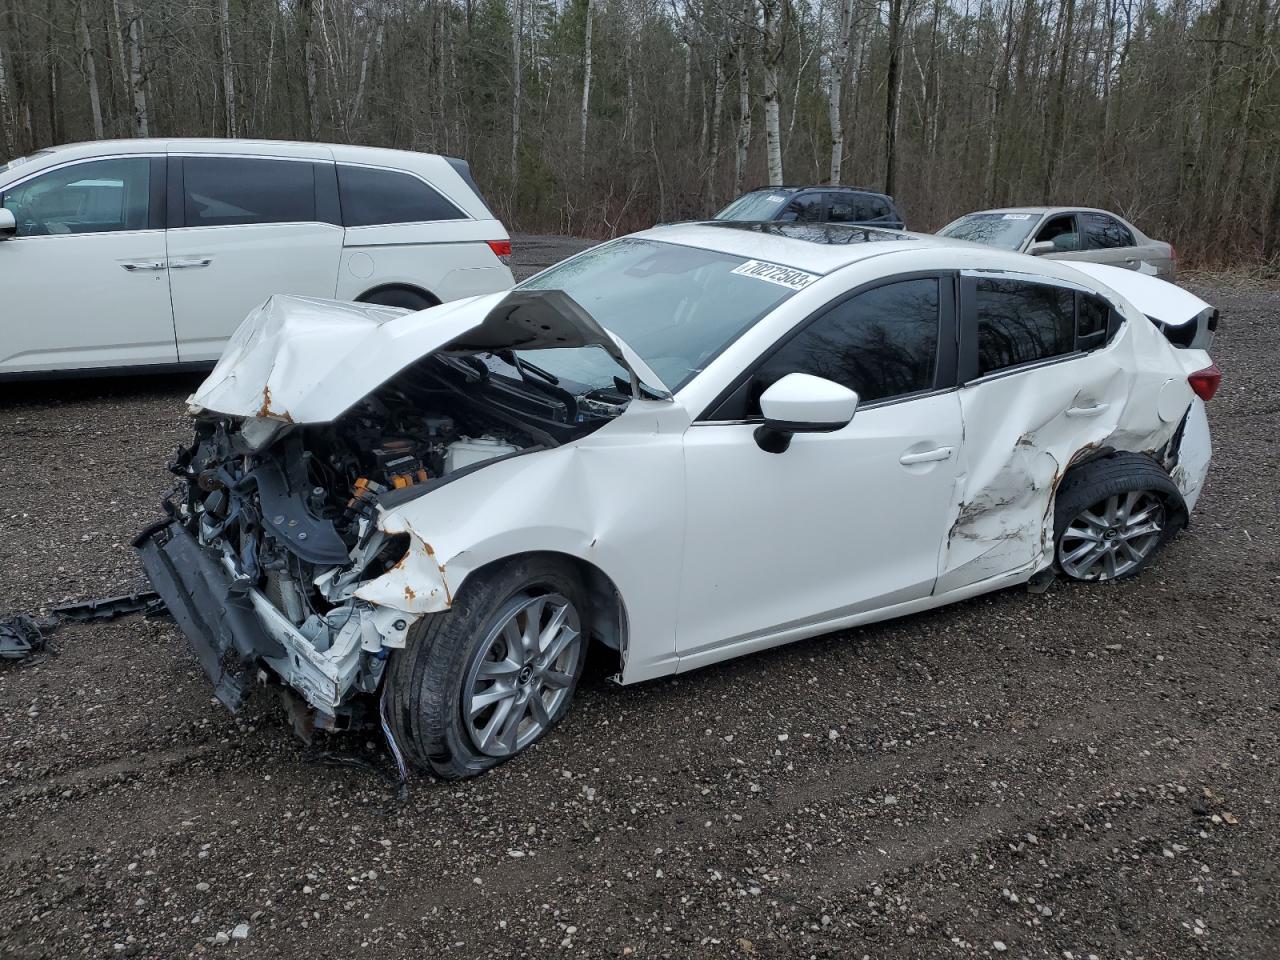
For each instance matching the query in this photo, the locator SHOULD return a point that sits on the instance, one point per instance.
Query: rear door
(1042, 382)
(240, 230)
(84, 280)
(1107, 240)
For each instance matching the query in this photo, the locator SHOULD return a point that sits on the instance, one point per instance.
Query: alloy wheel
(522, 673)
(1112, 537)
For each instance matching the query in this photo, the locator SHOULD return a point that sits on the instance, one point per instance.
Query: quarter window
(1091, 322)
(1103, 232)
(882, 343)
(1021, 322)
(229, 191)
(373, 196)
(100, 196)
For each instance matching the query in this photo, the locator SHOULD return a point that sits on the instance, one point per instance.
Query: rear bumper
(219, 622)
(1194, 453)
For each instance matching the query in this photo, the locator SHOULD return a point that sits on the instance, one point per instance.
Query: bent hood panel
(1158, 299)
(306, 360)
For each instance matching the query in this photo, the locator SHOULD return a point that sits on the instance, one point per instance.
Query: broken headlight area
(274, 526)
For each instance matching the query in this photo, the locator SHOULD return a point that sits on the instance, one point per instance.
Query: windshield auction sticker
(788, 277)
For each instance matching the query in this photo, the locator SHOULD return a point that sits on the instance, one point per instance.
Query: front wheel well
(608, 611)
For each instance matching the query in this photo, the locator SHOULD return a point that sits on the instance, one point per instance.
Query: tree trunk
(122, 66)
(306, 15)
(586, 91)
(90, 67)
(138, 76)
(891, 96)
(228, 73)
(365, 55)
(717, 116)
(835, 89)
(744, 114)
(771, 56)
(517, 89)
(8, 127)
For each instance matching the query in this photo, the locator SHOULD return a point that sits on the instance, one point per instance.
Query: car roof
(297, 148)
(819, 186)
(815, 247)
(1041, 211)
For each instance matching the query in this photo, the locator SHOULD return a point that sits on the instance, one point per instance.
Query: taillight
(1205, 382)
(502, 248)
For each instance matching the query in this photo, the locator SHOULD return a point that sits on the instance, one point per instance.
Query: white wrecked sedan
(684, 445)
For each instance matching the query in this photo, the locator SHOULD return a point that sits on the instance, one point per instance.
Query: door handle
(188, 263)
(926, 456)
(1093, 411)
(135, 266)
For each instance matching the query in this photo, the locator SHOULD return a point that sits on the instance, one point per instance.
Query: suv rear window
(371, 195)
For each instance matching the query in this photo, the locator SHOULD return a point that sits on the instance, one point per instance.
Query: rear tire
(1112, 515)
(484, 681)
(401, 297)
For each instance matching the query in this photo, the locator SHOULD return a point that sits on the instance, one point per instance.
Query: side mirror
(802, 403)
(8, 225)
(1041, 247)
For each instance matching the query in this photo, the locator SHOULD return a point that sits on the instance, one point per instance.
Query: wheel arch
(399, 286)
(609, 624)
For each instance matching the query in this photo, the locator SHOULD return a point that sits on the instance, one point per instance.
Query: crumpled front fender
(418, 584)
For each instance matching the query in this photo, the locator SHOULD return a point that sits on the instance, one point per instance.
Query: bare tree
(586, 89)
(835, 86)
(771, 50)
(228, 72)
(89, 65)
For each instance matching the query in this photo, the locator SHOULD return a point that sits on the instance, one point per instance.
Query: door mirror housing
(802, 403)
(8, 225)
(1041, 247)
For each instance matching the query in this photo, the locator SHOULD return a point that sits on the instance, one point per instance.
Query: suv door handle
(926, 456)
(190, 262)
(134, 266)
(1093, 411)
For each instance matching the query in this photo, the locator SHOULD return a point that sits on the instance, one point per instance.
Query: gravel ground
(1090, 772)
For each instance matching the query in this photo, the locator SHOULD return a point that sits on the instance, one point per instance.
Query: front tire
(483, 682)
(1113, 515)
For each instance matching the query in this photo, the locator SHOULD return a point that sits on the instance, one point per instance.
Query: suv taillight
(1205, 382)
(502, 248)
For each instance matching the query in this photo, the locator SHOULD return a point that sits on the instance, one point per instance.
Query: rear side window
(1103, 232)
(1021, 322)
(881, 344)
(858, 208)
(373, 196)
(228, 191)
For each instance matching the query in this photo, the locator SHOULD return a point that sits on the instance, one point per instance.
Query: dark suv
(816, 205)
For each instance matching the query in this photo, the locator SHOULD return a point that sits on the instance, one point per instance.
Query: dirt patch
(1090, 770)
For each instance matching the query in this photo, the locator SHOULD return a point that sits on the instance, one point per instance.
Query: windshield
(1006, 230)
(758, 205)
(676, 306)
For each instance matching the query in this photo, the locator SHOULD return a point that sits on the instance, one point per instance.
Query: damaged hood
(306, 359)
(1158, 299)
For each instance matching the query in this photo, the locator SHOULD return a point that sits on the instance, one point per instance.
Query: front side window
(678, 307)
(1021, 322)
(881, 344)
(100, 196)
(232, 191)
(372, 196)
(1103, 232)
(805, 208)
(1061, 232)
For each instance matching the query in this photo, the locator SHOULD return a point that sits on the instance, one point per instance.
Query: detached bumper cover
(219, 622)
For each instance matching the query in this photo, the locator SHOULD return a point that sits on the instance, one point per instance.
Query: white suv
(149, 253)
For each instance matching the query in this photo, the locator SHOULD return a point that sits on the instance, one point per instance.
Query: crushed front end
(274, 560)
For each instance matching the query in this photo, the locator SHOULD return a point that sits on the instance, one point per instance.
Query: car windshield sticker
(776, 273)
(1017, 216)
(774, 198)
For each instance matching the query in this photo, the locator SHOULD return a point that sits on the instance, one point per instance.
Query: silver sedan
(1067, 233)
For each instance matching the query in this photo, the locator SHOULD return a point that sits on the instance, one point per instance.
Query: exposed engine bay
(289, 511)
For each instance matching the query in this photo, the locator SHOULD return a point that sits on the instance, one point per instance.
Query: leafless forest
(599, 116)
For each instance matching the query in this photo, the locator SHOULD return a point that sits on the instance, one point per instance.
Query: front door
(842, 522)
(84, 280)
(247, 229)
